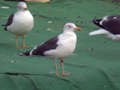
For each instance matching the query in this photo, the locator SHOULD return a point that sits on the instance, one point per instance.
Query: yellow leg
(23, 43)
(56, 69)
(17, 41)
(63, 74)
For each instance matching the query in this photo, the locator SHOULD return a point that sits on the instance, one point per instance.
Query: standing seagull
(110, 26)
(20, 23)
(58, 47)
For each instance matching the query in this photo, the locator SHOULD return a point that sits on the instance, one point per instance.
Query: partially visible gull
(110, 26)
(20, 23)
(57, 47)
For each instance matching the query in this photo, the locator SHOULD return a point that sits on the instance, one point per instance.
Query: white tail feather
(98, 32)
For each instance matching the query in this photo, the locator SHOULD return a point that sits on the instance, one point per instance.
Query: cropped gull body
(110, 26)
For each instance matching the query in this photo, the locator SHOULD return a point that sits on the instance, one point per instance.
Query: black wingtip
(96, 21)
(5, 28)
(25, 53)
(3, 25)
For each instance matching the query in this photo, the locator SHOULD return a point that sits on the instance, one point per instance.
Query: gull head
(22, 6)
(71, 27)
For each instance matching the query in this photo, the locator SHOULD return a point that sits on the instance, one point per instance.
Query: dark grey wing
(112, 24)
(50, 44)
(9, 22)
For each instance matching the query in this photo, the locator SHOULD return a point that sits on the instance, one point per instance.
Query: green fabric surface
(95, 64)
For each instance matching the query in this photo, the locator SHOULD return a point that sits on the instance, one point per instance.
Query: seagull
(57, 47)
(20, 23)
(110, 27)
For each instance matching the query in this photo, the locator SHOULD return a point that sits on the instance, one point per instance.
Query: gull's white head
(70, 27)
(22, 6)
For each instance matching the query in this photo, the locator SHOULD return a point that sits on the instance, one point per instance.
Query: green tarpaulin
(95, 64)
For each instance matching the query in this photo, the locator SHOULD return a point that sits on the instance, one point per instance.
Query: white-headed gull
(20, 23)
(57, 47)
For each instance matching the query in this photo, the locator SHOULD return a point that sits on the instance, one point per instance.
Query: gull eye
(69, 26)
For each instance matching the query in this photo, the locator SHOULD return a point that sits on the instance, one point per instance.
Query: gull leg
(17, 41)
(56, 69)
(23, 43)
(63, 74)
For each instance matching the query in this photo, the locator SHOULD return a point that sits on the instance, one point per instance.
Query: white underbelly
(61, 51)
(21, 26)
(65, 46)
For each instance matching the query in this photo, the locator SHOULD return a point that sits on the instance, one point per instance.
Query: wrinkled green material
(95, 64)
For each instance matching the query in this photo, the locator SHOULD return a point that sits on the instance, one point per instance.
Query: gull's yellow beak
(25, 9)
(78, 29)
